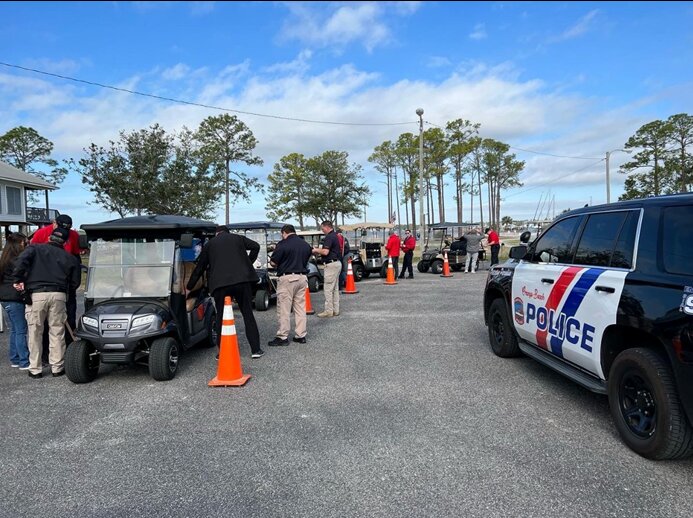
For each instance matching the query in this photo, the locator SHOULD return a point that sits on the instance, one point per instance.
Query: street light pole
(608, 179)
(420, 112)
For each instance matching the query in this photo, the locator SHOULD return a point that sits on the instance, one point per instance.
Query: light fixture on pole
(608, 179)
(420, 112)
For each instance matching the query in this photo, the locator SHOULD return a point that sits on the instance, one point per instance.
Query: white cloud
(438, 62)
(343, 24)
(583, 25)
(527, 113)
(176, 72)
(479, 32)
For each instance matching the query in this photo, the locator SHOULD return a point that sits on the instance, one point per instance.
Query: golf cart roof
(149, 226)
(256, 225)
(365, 224)
(309, 232)
(448, 224)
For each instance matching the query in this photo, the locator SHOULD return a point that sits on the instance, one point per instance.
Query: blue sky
(561, 78)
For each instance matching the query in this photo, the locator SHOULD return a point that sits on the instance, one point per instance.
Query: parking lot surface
(395, 408)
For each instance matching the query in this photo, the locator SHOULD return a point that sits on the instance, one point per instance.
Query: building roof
(29, 181)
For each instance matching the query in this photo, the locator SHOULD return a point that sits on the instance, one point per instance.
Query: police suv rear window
(598, 238)
(623, 253)
(677, 239)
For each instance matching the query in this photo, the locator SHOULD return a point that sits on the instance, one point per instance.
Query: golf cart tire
(211, 340)
(437, 267)
(262, 300)
(163, 358)
(422, 266)
(80, 365)
(358, 272)
(383, 270)
(313, 285)
(366, 274)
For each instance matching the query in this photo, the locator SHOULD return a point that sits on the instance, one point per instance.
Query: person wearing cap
(228, 260)
(47, 273)
(408, 247)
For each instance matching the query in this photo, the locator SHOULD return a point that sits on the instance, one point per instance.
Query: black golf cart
(443, 236)
(267, 234)
(136, 309)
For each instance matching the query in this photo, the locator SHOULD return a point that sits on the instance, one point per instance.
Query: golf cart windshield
(267, 241)
(130, 268)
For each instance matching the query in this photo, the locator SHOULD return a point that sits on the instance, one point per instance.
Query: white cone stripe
(228, 330)
(228, 312)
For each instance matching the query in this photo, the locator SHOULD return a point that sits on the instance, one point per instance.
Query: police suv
(605, 297)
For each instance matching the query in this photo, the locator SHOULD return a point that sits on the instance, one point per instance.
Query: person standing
(343, 250)
(290, 258)
(333, 266)
(393, 247)
(13, 301)
(408, 246)
(473, 238)
(48, 273)
(230, 272)
(494, 244)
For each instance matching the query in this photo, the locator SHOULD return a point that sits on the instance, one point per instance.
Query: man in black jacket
(230, 272)
(47, 272)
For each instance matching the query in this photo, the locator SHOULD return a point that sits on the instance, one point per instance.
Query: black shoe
(278, 341)
(36, 376)
(258, 353)
(401, 277)
(300, 339)
(410, 277)
(59, 373)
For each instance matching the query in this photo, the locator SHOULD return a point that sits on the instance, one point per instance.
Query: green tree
(435, 160)
(385, 161)
(25, 149)
(149, 171)
(507, 221)
(225, 140)
(459, 133)
(407, 156)
(287, 193)
(651, 140)
(680, 160)
(501, 171)
(336, 188)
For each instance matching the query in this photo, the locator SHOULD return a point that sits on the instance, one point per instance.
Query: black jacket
(48, 268)
(7, 291)
(228, 263)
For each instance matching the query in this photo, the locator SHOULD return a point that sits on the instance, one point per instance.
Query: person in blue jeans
(13, 301)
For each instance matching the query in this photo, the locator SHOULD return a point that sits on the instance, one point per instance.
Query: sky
(560, 82)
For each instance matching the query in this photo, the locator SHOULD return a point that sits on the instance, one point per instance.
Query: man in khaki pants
(290, 258)
(47, 272)
(332, 259)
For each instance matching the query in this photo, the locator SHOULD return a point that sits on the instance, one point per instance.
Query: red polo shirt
(43, 235)
(393, 246)
(493, 238)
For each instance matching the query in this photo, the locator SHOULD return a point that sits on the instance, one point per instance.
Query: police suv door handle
(547, 281)
(605, 289)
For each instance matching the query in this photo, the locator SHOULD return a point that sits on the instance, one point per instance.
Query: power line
(554, 180)
(535, 152)
(190, 103)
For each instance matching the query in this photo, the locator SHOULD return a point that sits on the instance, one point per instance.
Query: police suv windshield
(130, 268)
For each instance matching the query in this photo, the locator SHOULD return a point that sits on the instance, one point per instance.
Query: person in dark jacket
(13, 301)
(48, 273)
(230, 272)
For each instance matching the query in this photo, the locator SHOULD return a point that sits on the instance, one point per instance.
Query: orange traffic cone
(309, 306)
(350, 284)
(229, 370)
(446, 266)
(390, 273)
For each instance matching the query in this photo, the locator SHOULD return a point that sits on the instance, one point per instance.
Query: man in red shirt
(393, 247)
(408, 247)
(42, 236)
(494, 243)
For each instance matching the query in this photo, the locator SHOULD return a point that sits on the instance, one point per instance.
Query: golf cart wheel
(422, 266)
(163, 358)
(365, 274)
(437, 267)
(358, 272)
(313, 286)
(82, 362)
(646, 406)
(262, 300)
(500, 331)
(383, 271)
(212, 339)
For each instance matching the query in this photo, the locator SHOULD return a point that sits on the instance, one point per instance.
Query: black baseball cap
(64, 221)
(61, 233)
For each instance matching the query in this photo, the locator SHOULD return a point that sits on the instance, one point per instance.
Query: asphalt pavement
(395, 408)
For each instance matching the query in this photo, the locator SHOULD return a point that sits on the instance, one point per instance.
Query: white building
(14, 186)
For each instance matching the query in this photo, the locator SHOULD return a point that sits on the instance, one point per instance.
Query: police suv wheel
(82, 362)
(262, 300)
(500, 331)
(422, 266)
(646, 407)
(163, 359)
(437, 267)
(313, 284)
(358, 272)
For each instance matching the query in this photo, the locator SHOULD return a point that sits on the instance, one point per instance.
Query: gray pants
(291, 293)
(471, 257)
(49, 306)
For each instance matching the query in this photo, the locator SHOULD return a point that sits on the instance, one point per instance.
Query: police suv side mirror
(518, 252)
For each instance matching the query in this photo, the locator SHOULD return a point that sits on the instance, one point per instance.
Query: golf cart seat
(188, 267)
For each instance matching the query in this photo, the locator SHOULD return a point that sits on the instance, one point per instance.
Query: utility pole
(608, 181)
(422, 219)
